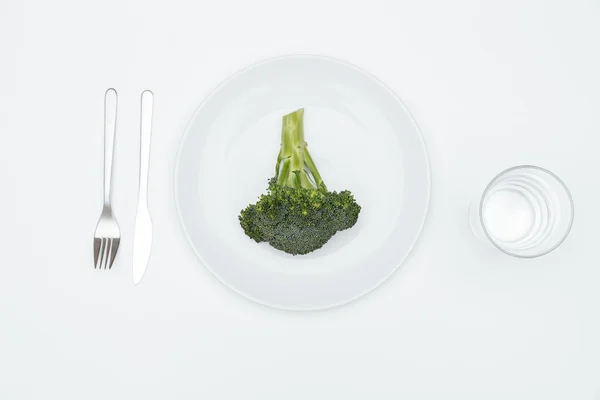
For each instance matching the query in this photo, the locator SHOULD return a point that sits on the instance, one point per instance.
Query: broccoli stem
(315, 172)
(294, 161)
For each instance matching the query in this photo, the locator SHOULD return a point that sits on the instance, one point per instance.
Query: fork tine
(114, 248)
(97, 243)
(100, 253)
(109, 245)
(104, 255)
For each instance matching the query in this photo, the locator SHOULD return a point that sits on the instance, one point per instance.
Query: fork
(108, 235)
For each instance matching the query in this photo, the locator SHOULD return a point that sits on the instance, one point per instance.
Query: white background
(491, 84)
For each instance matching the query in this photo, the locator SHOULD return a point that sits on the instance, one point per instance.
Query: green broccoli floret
(298, 214)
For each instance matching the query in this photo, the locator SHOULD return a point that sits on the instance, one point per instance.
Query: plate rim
(241, 71)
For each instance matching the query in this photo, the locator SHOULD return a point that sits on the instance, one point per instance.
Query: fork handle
(110, 127)
(147, 107)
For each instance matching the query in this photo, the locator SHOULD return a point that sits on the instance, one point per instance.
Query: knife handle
(147, 108)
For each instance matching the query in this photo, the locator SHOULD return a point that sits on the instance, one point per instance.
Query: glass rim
(491, 185)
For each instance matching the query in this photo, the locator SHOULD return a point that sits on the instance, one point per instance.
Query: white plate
(361, 137)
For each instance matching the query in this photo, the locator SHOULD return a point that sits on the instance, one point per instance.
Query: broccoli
(298, 214)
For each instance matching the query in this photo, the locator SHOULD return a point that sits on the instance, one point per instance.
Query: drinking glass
(525, 211)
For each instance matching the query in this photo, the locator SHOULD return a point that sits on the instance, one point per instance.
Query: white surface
(491, 84)
(362, 139)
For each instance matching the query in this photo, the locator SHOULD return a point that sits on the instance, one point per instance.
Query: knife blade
(142, 243)
(142, 240)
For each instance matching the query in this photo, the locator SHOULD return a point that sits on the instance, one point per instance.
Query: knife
(142, 239)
